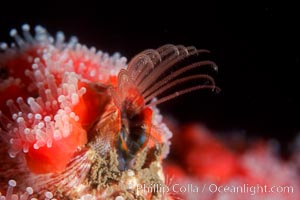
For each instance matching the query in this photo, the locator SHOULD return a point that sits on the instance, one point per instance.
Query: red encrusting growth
(91, 105)
(199, 158)
(56, 158)
(14, 81)
(203, 147)
(21, 61)
(154, 136)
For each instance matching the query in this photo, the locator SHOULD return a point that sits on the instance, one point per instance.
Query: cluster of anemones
(211, 169)
(47, 104)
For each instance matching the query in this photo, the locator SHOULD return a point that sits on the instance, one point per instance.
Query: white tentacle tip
(13, 32)
(3, 45)
(12, 183)
(25, 27)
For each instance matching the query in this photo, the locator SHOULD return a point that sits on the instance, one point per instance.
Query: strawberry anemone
(47, 96)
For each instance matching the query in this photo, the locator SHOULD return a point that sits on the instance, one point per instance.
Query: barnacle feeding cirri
(77, 123)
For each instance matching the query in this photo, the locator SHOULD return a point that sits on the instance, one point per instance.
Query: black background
(257, 53)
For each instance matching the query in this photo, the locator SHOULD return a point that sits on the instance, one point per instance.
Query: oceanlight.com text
(253, 189)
